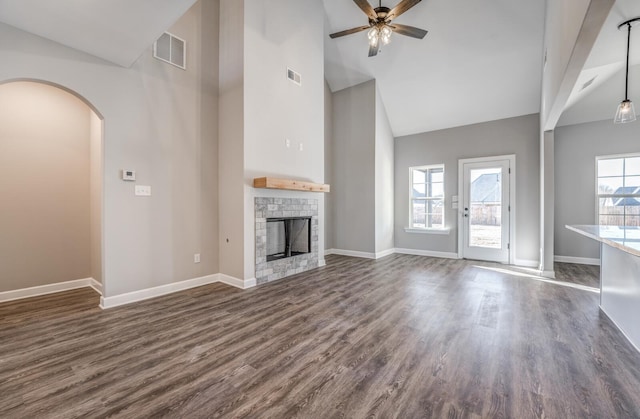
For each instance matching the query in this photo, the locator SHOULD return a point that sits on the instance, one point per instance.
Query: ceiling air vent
(294, 77)
(587, 84)
(171, 49)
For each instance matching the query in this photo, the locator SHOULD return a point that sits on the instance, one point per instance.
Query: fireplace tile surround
(284, 207)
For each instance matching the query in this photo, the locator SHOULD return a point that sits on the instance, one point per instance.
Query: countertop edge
(582, 229)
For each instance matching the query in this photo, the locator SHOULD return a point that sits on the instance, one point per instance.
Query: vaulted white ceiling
(480, 61)
(600, 86)
(118, 31)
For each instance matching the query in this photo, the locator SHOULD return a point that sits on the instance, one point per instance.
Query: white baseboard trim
(581, 261)
(328, 252)
(352, 253)
(45, 289)
(97, 287)
(384, 253)
(527, 263)
(322, 263)
(236, 282)
(548, 274)
(430, 253)
(367, 255)
(145, 294)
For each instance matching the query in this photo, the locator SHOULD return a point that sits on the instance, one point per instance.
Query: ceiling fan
(380, 26)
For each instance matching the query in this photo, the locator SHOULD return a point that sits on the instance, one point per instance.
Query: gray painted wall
(95, 194)
(160, 121)
(361, 161)
(328, 168)
(44, 186)
(353, 160)
(384, 150)
(576, 148)
(519, 136)
(231, 138)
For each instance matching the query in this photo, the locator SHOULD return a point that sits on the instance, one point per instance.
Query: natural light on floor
(539, 278)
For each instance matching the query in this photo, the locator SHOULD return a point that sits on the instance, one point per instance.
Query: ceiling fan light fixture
(626, 112)
(385, 34)
(380, 28)
(374, 36)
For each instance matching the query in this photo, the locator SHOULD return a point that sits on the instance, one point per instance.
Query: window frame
(599, 195)
(411, 227)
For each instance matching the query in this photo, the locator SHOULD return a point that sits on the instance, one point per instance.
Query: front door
(485, 209)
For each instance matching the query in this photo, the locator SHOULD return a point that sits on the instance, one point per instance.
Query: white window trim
(606, 157)
(443, 231)
(427, 230)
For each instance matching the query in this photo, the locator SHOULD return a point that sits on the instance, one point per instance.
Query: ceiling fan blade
(408, 30)
(366, 8)
(400, 8)
(349, 31)
(373, 49)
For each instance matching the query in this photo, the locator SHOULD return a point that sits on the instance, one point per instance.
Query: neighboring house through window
(618, 191)
(427, 197)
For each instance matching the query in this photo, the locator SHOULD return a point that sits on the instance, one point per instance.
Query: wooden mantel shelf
(289, 184)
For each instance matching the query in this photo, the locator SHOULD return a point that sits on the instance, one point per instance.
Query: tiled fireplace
(286, 237)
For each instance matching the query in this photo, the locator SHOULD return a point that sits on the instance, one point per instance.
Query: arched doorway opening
(51, 160)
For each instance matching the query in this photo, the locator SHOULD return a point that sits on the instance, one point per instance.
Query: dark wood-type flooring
(403, 336)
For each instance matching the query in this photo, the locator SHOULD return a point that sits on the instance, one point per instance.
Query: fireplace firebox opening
(287, 237)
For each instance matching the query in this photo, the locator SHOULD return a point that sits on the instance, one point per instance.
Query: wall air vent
(171, 49)
(294, 77)
(587, 84)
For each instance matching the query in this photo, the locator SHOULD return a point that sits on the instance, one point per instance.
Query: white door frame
(512, 201)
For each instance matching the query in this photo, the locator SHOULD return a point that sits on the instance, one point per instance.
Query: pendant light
(626, 111)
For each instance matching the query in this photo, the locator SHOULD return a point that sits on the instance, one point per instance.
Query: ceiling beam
(595, 17)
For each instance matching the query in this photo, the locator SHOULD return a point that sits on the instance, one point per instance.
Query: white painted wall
(384, 198)
(563, 20)
(576, 148)
(160, 121)
(571, 29)
(519, 136)
(287, 33)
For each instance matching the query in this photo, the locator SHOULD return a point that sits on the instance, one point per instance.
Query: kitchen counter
(619, 275)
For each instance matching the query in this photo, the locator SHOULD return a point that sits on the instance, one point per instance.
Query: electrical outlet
(287, 143)
(196, 258)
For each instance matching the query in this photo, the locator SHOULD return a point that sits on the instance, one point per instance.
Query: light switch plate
(143, 190)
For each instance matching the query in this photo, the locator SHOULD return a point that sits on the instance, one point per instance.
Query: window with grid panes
(618, 191)
(426, 205)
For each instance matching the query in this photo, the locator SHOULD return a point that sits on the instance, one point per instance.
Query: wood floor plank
(403, 336)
